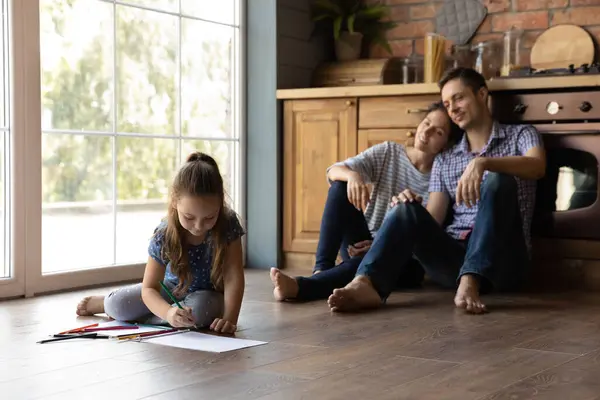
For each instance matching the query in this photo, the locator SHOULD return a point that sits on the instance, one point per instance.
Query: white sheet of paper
(133, 331)
(203, 342)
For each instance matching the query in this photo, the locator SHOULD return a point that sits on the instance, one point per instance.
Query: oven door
(567, 197)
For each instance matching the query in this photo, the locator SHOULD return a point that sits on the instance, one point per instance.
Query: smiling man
(489, 177)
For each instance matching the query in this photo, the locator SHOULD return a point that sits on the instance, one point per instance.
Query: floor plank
(542, 345)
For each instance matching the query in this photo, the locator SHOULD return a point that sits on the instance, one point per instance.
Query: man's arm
(530, 166)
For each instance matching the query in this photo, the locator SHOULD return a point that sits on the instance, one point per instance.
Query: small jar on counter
(412, 69)
(488, 58)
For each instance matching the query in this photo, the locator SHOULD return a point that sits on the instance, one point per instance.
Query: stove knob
(585, 106)
(520, 108)
(553, 108)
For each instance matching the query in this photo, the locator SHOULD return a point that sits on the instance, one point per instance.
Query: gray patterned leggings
(125, 304)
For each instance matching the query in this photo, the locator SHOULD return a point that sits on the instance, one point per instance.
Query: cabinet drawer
(393, 111)
(371, 137)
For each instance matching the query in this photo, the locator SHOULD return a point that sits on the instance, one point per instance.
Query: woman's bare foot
(286, 287)
(467, 295)
(357, 295)
(90, 305)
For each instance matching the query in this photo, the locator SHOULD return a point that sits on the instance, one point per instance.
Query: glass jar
(511, 59)
(463, 56)
(488, 58)
(412, 69)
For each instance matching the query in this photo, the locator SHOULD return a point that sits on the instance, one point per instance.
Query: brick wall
(298, 54)
(417, 17)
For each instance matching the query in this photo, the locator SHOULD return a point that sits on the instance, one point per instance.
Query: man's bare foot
(467, 295)
(286, 287)
(357, 295)
(90, 305)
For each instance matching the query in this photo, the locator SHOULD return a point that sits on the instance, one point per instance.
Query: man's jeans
(495, 252)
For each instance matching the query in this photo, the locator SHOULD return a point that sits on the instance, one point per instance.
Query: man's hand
(358, 192)
(406, 196)
(359, 248)
(469, 185)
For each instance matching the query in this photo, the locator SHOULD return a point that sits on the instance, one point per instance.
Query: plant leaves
(327, 5)
(337, 27)
(374, 12)
(350, 23)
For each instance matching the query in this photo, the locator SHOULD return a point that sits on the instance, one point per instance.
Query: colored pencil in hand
(166, 289)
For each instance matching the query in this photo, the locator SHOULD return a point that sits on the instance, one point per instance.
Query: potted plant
(352, 23)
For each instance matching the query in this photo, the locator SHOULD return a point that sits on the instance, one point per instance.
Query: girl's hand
(179, 318)
(223, 326)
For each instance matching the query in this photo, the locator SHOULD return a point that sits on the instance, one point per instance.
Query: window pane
(145, 169)
(226, 156)
(219, 11)
(147, 71)
(166, 5)
(77, 65)
(206, 79)
(77, 214)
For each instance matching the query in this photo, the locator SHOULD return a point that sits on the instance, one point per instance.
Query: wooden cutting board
(562, 45)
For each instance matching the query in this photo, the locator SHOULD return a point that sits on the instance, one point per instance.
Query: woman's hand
(359, 248)
(223, 326)
(179, 318)
(358, 192)
(406, 196)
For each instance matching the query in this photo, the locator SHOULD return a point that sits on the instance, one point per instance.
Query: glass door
(100, 102)
(12, 276)
(128, 89)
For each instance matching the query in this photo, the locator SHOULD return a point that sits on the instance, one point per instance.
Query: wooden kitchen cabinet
(370, 137)
(317, 133)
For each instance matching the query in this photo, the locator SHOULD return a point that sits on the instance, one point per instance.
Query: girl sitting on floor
(196, 251)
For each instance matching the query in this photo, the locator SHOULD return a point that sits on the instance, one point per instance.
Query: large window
(129, 88)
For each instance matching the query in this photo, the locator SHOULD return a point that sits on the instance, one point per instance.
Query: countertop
(503, 84)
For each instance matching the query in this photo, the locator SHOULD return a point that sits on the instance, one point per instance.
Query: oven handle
(587, 128)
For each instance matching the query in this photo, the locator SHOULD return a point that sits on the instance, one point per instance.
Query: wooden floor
(418, 347)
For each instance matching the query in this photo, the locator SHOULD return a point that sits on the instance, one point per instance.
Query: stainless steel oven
(567, 203)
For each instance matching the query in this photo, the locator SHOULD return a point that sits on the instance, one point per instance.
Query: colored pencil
(110, 328)
(82, 336)
(78, 329)
(166, 289)
(147, 334)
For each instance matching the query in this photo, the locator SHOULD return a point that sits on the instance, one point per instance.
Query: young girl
(196, 251)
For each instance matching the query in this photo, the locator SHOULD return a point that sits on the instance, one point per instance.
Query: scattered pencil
(82, 336)
(110, 328)
(79, 329)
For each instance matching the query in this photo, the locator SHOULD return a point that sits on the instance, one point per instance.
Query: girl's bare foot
(90, 305)
(467, 295)
(286, 287)
(357, 295)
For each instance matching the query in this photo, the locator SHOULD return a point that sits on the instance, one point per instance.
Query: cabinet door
(371, 137)
(317, 133)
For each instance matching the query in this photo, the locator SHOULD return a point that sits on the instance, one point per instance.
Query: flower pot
(348, 46)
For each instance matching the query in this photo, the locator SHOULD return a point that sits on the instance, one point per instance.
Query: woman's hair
(199, 176)
(455, 132)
